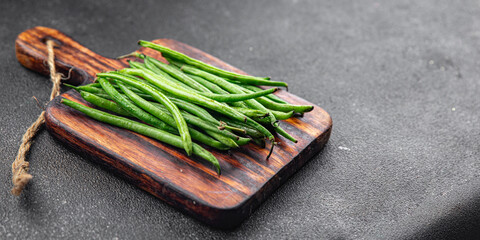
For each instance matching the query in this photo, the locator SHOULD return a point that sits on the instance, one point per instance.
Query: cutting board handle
(31, 51)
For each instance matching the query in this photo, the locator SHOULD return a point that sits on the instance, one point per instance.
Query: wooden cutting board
(187, 183)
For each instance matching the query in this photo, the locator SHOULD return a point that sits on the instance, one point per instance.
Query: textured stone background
(400, 79)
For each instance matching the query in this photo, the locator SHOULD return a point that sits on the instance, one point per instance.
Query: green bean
(242, 141)
(209, 68)
(282, 115)
(284, 107)
(223, 126)
(215, 89)
(248, 130)
(159, 68)
(195, 110)
(190, 96)
(236, 81)
(87, 88)
(184, 105)
(200, 123)
(257, 105)
(97, 85)
(263, 120)
(253, 104)
(253, 113)
(104, 103)
(202, 113)
(189, 107)
(282, 132)
(150, 66)
(162, 113)
(225, 137)
(130, 107)
(237, 97)
(114, 107)
(179, 75)
(100, 92)
(225, 140)
(279, 106)
(272, 97)
(272, 105)
(230, 87)
(138, 84)
(273, 120)
(137, 112)
(211, 86)
(102, 95)
(143, 129)
(137, 65)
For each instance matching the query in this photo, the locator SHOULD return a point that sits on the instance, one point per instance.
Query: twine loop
(20, 167)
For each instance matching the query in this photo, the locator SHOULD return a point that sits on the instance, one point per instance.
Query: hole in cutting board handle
(77, 76)
(57, 44)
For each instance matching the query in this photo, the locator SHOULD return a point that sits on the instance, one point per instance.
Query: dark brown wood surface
(187, 183)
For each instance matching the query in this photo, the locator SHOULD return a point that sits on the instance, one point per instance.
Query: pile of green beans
(188, 101)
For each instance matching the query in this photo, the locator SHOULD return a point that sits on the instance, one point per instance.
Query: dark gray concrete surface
(401, 80)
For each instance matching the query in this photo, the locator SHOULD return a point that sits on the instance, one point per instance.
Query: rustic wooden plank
(187, 183)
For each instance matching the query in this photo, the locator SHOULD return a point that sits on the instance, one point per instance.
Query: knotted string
(20, 167)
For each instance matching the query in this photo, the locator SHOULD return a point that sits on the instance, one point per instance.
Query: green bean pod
(104, 103)
(282, 115)
(162, 113)
(230, 87)
(272, 97)
(211, 86)
(215, 89)
(282, 132)
(236, 81)
(272, 117)
(180, 121)
(130, 107)
(162, 69)
(190, 96)
(97, 85)
(143, 129)
(237, 97)
(204, 66)
(221, 136)
(254, 133)
(200, 123)
(195, 110)
(100, 92)
(184, 105)
(88, 88)
(284, 107)
(150, 66)
(177, 74)
(114, 107)
(253, 113)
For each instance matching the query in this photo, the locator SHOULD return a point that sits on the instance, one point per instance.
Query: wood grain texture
(187, 183)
